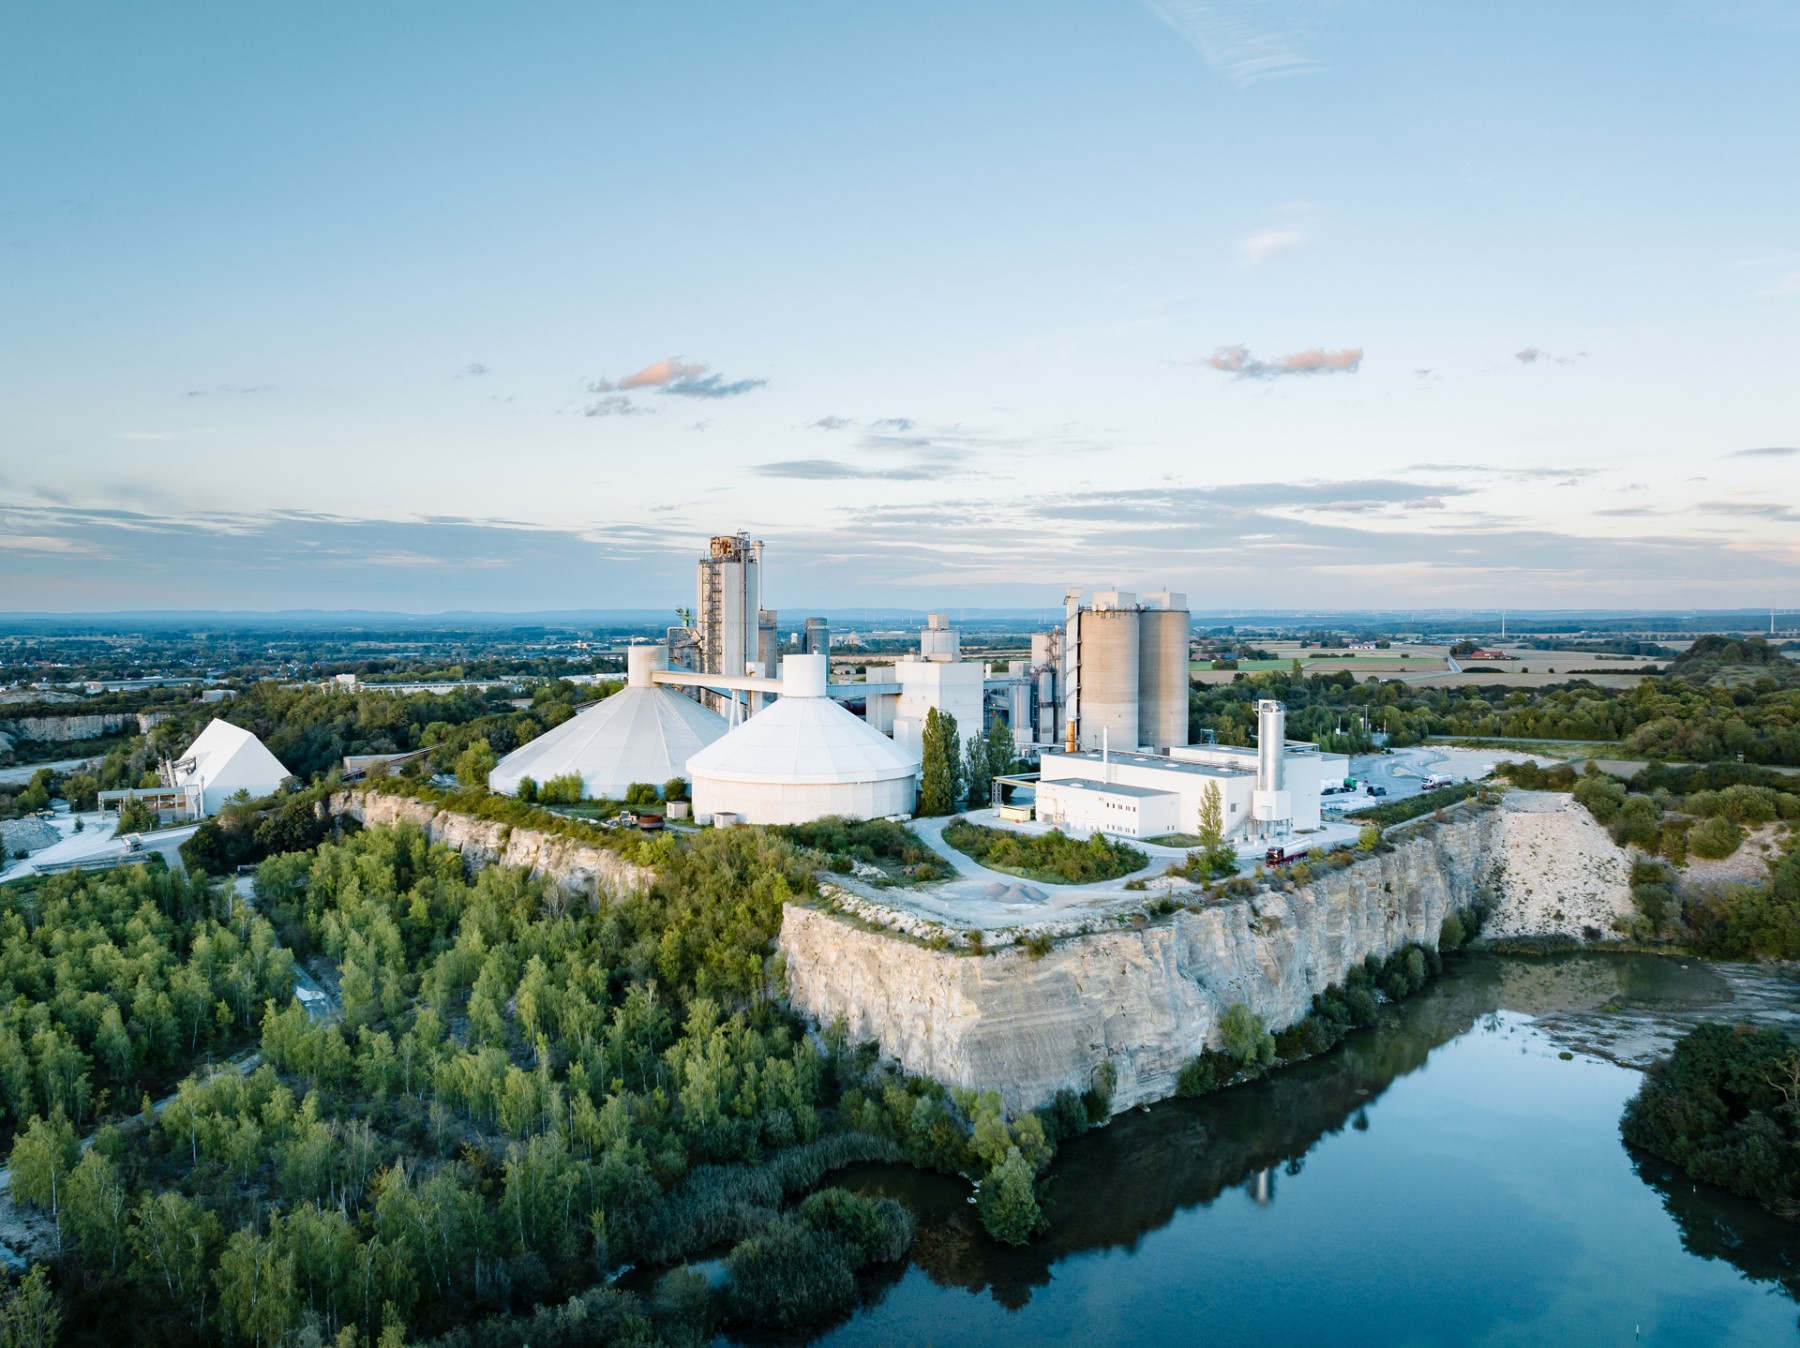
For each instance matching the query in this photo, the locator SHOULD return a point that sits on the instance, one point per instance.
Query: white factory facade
(1102, 704)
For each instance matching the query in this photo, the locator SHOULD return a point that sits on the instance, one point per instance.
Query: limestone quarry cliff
(1147, 999)
(579, 868)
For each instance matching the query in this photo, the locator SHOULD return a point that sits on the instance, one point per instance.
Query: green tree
(1002, 749)
(978, 771)
(171, 1240)
(96, 1212)
(1244, 1035)
(940, 771)
(42, 1157)
(1008, 1203)
(257, 1295)
(29, 1317)
(475, 763)
(81, 791)
(134, 817)
(1217, 857)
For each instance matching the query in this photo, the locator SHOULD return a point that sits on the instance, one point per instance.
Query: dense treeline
(1726, 1108)
(1671, 718)
(522, 1093)
(113, 983)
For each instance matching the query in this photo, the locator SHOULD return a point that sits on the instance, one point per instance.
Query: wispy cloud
(1244, 41)
(834, 470)
(1237, 360)
(679, 378)
(1532, 355)
(229, 388)
(1766, 452)
(1257, 248)
(898, 424)
(475, 369)
(830, 423)
(613, 405)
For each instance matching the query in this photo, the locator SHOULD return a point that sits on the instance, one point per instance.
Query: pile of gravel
(26, 835)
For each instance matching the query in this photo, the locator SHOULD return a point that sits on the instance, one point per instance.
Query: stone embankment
(1147, 999)
(578, 868)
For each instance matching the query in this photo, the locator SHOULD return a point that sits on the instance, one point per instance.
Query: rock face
(92, 725)
(579, 868)
(1145, 1000)
(1558, 870)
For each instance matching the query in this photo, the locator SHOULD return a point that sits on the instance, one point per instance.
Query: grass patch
(893, 849)
(1049, 858)
(1186, 841)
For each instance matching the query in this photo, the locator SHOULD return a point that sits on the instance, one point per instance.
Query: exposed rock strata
(1145, 1000)
(577, 867)
(1149, 999)
(84, 726)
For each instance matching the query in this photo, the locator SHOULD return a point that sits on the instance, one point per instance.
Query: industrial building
(223, 760)
(642, 733)
(1115, 673)
(938, 678)
(1269, 791)
(802, 757)
(728, 624)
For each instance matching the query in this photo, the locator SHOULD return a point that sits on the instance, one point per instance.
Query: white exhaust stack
(1272, 806)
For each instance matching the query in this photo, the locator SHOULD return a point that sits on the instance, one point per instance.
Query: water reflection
(1117, 1189)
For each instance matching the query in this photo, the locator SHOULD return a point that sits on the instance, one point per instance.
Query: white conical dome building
(642, 733)
(803, 758)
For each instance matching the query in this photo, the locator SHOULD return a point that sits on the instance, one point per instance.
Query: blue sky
(1280, 302)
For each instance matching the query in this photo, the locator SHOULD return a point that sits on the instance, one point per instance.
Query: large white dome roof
(639, 734)
(803, 740)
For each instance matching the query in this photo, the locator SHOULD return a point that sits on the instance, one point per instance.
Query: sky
(1280, 303)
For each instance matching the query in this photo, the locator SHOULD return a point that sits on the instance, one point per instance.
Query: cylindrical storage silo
(1163, 678)
(1107, 661)
(1271, 744)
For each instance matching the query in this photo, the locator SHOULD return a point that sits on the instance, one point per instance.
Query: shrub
(1714, 838)
(1244, 1035)
(1099, 1097)
(1008, 1202)
(528, 790)
(1052, 858)
(788, 1276)
(567, 789)
(676, 788)
(641, 793)
(878, 1231)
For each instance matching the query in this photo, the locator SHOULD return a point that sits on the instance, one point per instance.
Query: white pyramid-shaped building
(642, 733)
(224, 760)
(803, 758)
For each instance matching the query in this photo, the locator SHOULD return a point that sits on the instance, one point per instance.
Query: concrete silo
(1163, 671)
(1105, 641)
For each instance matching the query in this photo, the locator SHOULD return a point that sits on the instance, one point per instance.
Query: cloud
(1531, 355)
(711, 386)
(475, 369)
(830, 423)
(678, 377)
(1237, 360)
(1766, 452)
(1257, 248)
(229, 388)
(1243, 42)
(900, 424)
(614, 405)
(834, 470)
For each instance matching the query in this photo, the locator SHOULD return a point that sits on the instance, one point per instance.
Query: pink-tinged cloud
(1237, 360)
(663, 372)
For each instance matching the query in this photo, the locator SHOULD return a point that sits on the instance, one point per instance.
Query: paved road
(21, 773)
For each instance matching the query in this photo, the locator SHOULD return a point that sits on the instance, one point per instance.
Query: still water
(1446, 1178)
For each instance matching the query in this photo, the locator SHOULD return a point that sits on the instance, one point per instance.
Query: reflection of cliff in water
(1115, 1185)
(1716, 1224)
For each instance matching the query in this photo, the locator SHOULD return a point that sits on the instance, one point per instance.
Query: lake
(1447, 1177)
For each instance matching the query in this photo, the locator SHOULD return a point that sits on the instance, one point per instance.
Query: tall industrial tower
(728, 622)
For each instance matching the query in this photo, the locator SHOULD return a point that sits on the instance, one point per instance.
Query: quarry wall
(1148, 999)
(577, 867)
